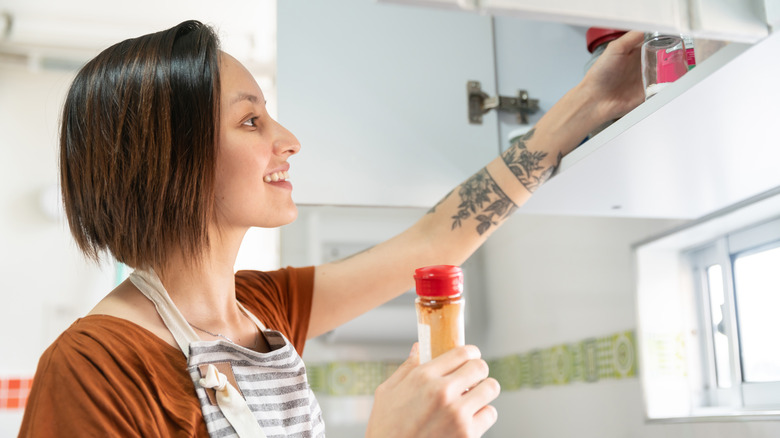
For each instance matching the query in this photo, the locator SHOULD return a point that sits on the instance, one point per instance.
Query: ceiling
(64, 34)
(78, 29)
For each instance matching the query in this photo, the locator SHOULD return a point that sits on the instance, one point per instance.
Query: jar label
(424, 337)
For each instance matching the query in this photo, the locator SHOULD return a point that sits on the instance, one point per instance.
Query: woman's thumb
(414, 354)
(408, 365)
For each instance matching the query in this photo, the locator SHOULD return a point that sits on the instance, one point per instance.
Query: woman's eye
(251, 122)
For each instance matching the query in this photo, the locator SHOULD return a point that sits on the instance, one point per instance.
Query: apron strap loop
(214, 379)
(232, 405)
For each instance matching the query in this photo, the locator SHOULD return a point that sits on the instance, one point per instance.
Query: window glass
(757, 290)
(719, 338)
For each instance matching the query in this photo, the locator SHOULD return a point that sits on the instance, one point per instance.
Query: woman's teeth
(277, 176)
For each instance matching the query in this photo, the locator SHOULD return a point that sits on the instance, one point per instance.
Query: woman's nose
(286, 142)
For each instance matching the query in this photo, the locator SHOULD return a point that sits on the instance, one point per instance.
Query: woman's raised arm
(455, 227)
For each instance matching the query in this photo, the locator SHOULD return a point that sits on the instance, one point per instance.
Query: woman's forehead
(236, 82)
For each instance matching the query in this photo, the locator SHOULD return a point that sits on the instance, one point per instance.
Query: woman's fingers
(447, 396)
(483, 420)
(628, 42)
(452, 360)
(469, 375)
(480, 395)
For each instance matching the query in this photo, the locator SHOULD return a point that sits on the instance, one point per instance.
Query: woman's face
(252, 170)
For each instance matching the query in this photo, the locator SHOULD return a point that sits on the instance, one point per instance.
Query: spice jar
(663, 61)
(439, 307)
(597, 39)
(690, 52)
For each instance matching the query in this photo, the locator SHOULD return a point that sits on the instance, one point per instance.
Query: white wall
(554, 280)
(45, 283)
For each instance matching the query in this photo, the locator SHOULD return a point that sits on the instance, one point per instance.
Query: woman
(168, 156)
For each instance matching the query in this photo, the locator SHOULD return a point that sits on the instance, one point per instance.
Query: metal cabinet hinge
(480, 103)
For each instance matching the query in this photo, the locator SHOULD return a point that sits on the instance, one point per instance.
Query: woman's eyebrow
(245, 96)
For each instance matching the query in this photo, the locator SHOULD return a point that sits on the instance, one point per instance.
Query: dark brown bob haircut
(138, 146)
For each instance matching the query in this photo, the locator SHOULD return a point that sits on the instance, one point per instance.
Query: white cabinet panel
(622, 14)
(448, 4)
(740, 20)
(546, 59)
(376, 93)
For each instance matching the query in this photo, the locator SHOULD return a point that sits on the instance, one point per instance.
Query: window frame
(671, 273)
(724, 251)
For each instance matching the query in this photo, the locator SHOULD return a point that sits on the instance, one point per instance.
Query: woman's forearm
(488, 197)
(453, 229)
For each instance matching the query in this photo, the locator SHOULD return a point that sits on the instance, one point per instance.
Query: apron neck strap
(251, 316)
(150, 285)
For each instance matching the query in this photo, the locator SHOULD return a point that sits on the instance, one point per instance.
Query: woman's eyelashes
(252, 122)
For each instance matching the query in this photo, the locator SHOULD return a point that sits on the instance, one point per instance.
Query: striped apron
(242, 392)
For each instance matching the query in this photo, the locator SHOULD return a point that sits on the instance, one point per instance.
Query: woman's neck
(204, 291)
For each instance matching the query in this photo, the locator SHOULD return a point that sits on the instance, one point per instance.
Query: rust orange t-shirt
(108, 377)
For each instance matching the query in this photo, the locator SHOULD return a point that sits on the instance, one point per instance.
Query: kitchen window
(708, 296)
(737, 281)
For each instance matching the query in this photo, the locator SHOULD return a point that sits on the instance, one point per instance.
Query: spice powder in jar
(439, 307)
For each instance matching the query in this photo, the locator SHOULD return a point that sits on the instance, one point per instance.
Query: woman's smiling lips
(277, 176)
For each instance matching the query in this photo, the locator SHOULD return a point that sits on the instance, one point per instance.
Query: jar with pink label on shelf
(664, 60)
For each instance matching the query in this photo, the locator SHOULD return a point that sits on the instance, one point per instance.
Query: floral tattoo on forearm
(526, 164)
(482, 199)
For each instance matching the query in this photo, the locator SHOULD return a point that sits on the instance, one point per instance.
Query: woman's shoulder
(101, 354)
(106, 341)
(281, 299)
(108, 376)
(127, 303)
(282, 281)
(278, 291)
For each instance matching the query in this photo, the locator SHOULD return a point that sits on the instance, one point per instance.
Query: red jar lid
(438, 281)
(597, 36)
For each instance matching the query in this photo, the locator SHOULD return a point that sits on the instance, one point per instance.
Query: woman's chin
(282, 218)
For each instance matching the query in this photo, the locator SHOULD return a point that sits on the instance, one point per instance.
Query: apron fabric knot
(214, 379)
(231, 403)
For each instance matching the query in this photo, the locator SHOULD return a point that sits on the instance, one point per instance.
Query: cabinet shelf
(705, 142)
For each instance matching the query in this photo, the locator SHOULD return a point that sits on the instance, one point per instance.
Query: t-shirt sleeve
(106, 378)
(72, 395)
(280, 299)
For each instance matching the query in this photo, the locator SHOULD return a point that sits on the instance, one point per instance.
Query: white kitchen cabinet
(376, 93)
(379, 105)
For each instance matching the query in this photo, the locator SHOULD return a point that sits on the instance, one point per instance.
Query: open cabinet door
(376, 94)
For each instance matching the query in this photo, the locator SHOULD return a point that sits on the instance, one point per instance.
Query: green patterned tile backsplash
(589, 360)
(349, 378)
